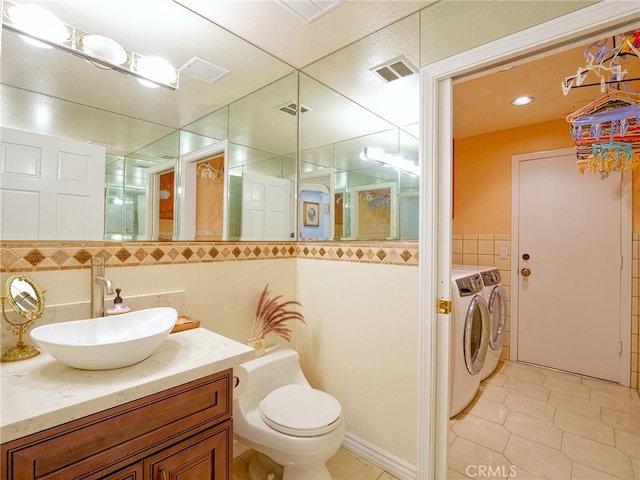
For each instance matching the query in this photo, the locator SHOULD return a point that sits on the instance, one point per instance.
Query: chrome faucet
(99, 283)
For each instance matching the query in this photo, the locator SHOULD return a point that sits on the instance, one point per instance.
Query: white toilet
(294, 428)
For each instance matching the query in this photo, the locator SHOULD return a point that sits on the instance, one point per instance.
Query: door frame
(152, 228)
(322, 175)
(625, 249)
(436, 121)
(185, 228)
(393, 220)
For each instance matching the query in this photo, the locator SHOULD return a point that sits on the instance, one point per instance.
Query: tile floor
(344, 465)
(534, 423)
(529, 423)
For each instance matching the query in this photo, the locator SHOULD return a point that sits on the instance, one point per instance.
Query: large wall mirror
(264, 153)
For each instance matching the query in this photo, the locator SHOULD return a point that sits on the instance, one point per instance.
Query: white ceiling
(260, 42)
(268, 25)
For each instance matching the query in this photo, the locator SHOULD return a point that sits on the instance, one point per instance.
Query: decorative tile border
(21, 256)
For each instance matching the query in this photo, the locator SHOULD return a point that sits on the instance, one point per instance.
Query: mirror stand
(20, 351)
(27, 300)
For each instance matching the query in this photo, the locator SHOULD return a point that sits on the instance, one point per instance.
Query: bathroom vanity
(166, 417)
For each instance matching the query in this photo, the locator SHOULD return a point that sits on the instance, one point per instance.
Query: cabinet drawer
(122, 435)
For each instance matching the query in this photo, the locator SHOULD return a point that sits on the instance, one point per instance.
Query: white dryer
(496, 298)
(469, 338)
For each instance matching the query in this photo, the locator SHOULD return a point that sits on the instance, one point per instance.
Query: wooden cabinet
(182, 432)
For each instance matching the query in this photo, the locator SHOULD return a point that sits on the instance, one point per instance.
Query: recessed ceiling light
(522, 101)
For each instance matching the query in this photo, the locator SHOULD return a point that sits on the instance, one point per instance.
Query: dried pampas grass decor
(271, 315)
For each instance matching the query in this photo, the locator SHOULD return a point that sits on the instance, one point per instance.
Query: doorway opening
(210, 198)
(435, 231)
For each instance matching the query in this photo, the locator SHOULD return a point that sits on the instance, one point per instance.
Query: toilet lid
(300, 411)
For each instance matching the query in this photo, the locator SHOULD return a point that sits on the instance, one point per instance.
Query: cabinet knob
(163, 472)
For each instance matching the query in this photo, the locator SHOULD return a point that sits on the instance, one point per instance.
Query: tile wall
(21, 256)
(486, 249)
(467, 249)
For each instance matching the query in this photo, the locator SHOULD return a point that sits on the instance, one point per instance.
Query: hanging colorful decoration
(208, 171)
(376, 198)
(606, 132)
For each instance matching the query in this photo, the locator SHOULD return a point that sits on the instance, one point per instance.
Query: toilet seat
(300, 411)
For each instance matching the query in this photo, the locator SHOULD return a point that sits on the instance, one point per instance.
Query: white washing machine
(496, 298)
(469, 338)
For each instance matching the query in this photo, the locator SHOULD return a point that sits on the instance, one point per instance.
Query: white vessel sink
(107, 342)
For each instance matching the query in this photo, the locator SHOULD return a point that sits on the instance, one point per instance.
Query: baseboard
(380, 458)
(365, 450)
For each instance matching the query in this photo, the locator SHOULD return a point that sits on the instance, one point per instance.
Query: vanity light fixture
(389, 160)
(522, 100)
(104, 48)
(39, 27)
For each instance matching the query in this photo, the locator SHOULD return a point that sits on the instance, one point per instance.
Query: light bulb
(156, 69)
(37, 22)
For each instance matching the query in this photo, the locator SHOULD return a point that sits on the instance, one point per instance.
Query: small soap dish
(185, 323)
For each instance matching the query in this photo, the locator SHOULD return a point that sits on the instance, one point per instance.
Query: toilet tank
(256, 378)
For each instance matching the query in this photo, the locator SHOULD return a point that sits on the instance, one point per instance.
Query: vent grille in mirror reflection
(291, 108)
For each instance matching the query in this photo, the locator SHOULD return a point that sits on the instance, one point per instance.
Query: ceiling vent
(292, 107)
(309, 10)
(203, 70)
(394, 69)
(143, 165)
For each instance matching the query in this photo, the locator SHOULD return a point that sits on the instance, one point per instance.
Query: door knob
(525, 272)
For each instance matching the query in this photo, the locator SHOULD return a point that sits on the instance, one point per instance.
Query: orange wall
(482, 175)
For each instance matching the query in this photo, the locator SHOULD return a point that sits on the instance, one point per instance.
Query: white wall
(222, 295)
(360, 344)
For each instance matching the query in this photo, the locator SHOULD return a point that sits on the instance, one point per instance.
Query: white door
(266, 208)
(51, 188)
(569, 239)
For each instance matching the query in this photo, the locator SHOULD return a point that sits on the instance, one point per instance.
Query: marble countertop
(41, 392)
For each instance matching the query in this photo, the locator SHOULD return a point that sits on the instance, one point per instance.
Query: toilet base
(262, 467)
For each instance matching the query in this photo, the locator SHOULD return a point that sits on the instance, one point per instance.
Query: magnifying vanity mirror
(27, 300)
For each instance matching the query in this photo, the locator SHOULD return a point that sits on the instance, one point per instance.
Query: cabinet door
(134, 472)
(205, 456)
